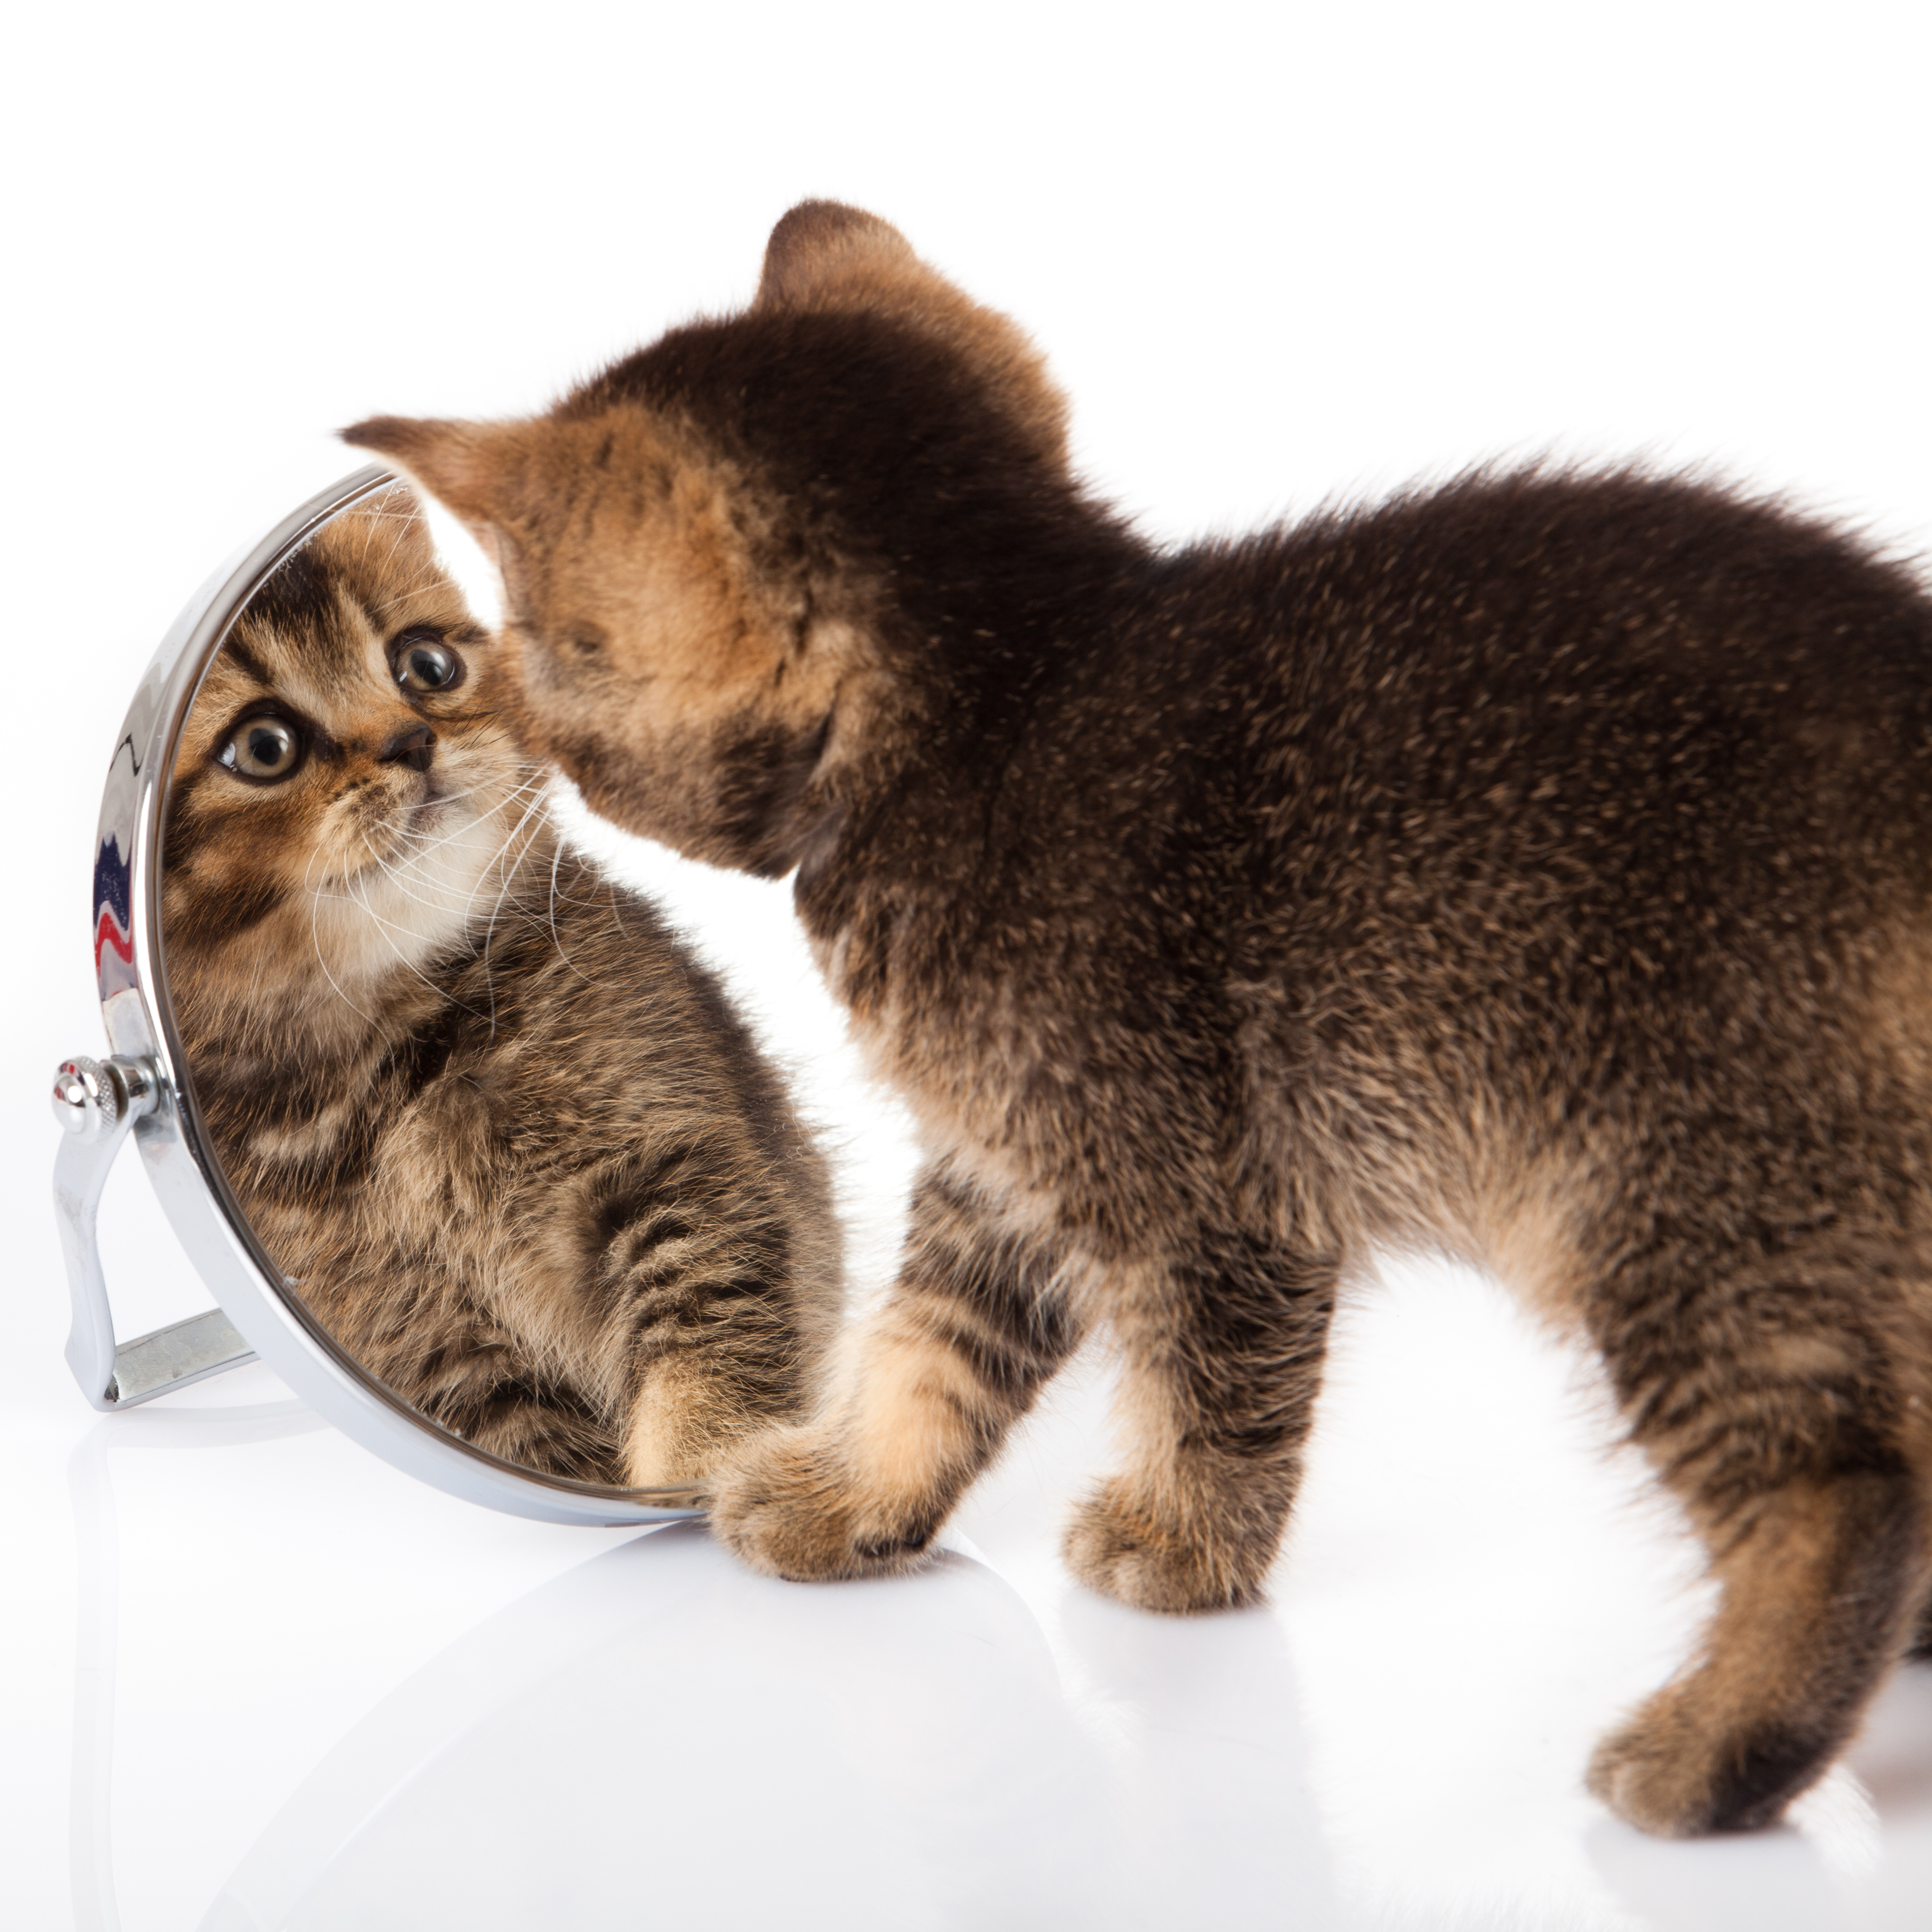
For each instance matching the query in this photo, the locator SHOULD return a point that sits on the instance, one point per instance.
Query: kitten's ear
(826, 257)
(820, 245)
(475, 470)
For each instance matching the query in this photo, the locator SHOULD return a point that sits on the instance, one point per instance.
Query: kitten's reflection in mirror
(501, 1131)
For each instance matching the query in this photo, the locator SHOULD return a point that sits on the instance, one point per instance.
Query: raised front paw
(1176, 1560)
(789, 1505)
(1679, 1769)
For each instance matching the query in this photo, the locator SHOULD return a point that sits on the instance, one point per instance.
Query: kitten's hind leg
(1222, 1360)
(1771, 1414)
(1919, 1650)
(1816, 1591)
(974, 1327)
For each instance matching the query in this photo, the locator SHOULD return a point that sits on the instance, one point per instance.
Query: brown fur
(517, 1154)
(1538, 869)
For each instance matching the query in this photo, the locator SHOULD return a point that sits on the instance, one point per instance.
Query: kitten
(1534, 870)
(519, 1155)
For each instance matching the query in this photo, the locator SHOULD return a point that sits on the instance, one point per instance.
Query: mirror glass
(504, 1138)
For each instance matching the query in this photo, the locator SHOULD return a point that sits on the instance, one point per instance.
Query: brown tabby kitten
(519, 1156)
(1537, 870)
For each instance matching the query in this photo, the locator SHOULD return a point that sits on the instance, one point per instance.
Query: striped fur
(1538, 869)
(507, 1137)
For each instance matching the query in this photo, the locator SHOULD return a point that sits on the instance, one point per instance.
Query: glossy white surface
(249, 1676)
(306, 1694)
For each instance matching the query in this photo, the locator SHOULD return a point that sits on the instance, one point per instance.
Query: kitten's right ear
(823, 256)
(820, 244)
(475, 470)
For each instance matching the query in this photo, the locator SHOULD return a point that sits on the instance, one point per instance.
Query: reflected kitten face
(344, 802)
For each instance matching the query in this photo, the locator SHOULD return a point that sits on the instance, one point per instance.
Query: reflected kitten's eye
(265, 749)
(423, 662)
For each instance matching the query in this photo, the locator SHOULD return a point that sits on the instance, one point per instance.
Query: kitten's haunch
(1538, 869)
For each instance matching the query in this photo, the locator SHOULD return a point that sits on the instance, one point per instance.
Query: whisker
(418, 849)
(384, 927)
(489, 938)
(315, 940)
(556, 938)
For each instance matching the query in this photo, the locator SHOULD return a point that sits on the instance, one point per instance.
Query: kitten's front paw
(787, 1505)
(1117, 1545)
(1678, 1772)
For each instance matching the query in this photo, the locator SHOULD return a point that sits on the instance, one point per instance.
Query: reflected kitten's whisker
(417, 847)
(509, 798)
(489, 937)
(384, 927)
(315, 940)
(556, 938)
(417, 852)
(531, 787)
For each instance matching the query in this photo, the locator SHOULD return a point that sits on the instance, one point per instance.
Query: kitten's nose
(414, 748)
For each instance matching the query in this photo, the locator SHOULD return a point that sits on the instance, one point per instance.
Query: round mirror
(465, 1143)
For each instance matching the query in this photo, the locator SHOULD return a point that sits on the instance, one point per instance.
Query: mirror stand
(98, 1103)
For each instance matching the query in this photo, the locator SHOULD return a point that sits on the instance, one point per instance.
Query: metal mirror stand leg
(97, 1103)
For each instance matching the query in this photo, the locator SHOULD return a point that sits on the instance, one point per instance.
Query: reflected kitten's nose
(414, 748)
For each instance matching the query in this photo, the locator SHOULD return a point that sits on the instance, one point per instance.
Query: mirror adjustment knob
(90, 1097)
(86, 1101)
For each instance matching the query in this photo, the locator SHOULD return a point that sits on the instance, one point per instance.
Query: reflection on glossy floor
(309, 1695)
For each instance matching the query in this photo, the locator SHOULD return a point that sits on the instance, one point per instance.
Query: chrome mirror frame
(145, 1089)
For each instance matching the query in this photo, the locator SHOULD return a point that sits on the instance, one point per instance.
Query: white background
(1276, 255)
